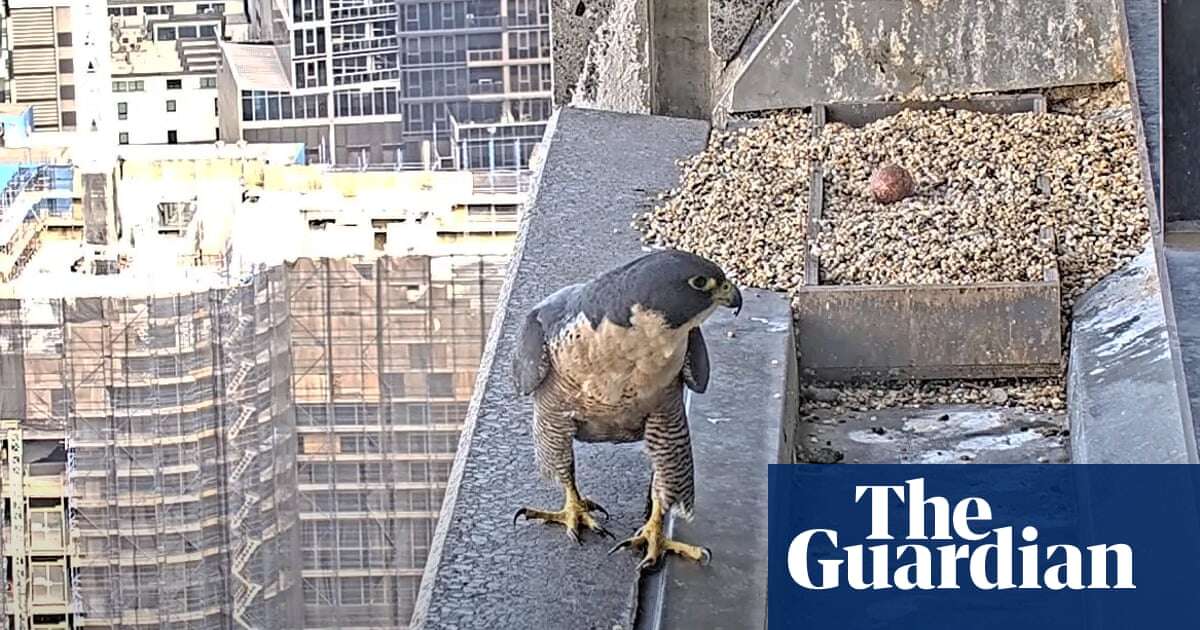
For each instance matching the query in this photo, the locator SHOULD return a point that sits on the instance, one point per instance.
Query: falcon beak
(729, 295)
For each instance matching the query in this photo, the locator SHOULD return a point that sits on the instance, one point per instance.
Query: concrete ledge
(737, 431)
(483, 572)
(1123, 385)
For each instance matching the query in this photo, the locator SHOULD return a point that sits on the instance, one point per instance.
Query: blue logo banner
(981, 547)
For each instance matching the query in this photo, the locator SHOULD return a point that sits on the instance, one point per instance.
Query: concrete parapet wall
(1123, 386)
(851, 50)
(600, 169)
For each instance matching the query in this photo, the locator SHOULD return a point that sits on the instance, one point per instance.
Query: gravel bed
(975, 214)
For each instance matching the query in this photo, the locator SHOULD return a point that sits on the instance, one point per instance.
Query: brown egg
(890, 183)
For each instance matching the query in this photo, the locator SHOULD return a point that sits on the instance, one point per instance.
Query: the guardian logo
(986, 558)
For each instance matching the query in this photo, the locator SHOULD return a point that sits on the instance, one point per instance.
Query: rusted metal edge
(914, 288)
(930, 372)
(858, 114)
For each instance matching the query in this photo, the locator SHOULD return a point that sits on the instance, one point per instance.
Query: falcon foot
(651, 537)
(575, 513)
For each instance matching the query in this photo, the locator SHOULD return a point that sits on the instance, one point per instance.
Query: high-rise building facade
(393, 83)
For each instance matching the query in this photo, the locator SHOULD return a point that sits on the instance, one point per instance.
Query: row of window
(260, 105)
(165, 9)
(380, 501)
(129, 86)
(372, 472)
(172, 33)
(362, 443)
(328, 591)
(308, 10)
(399, 413)
(205, 83)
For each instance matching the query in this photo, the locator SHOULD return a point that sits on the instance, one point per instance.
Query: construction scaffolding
(269, 454)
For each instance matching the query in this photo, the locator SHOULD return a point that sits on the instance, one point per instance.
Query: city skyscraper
(393, 83)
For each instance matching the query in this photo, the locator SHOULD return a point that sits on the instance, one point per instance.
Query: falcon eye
(700, 283)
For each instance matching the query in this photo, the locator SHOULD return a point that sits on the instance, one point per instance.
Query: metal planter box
(889, 332)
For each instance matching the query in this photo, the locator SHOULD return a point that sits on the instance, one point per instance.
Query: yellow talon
(576, 511)
(651, 537)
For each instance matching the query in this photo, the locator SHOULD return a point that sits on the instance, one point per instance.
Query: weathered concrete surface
(1182, 250)
(954, 434)
(600, 168)
(680, 58)
(736, 431)
(852, 50)
(1142, 26)
(614, 71)
(603, 53)
(572, 25)
(730, 23)
(1124, 391)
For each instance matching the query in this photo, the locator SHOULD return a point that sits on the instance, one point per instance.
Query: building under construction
(265, 446)
(218, 458)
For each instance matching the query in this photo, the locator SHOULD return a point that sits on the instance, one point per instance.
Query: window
(49, 583)
(172, 136)
(123, 138)
(116, 11)
(137, 86)
(208, 82)
(441, 385)
(186, 32)
(170, 105)
(419, 355)
(208, 30)
(46, 528)
(168, 9)
(217, 107)
(174, 84)
(119, 86)
(129, 11)
(148, 10)
(166, 34)
(393, 383)
(122, 111)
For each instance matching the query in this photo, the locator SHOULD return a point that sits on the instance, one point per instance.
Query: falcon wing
(531, 361)
(695, 363)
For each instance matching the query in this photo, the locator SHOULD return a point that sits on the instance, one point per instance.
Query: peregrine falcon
(607, 361)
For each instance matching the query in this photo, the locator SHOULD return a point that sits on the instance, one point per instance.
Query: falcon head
(678, 288)
(678, 285)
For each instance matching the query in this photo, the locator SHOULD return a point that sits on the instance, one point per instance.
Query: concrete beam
(1125, 397)
(670, 57)
(853, 50)
(679, 58)
(738, 429)
(1141, 22)
(484, 572)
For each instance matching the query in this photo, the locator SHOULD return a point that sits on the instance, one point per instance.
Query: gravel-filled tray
(892, 313)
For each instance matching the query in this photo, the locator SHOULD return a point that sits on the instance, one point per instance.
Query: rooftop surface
(256, 67)
(149, 57)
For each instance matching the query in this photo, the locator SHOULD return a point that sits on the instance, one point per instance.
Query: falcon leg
(575, 513)
(651, 537)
